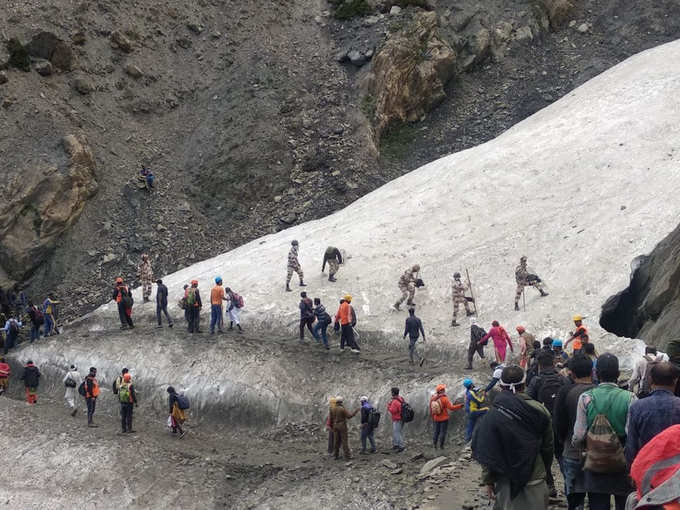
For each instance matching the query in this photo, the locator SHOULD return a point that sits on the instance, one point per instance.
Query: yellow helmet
(577, 318)
(348, 298)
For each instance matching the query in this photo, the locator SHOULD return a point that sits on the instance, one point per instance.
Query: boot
(288, 289)
(240, 329)
(302, 284)
(332, 279)
(396, 306)
(469, 313)
(231, 325)
(516, 307)
(543, 293)
(454, 323)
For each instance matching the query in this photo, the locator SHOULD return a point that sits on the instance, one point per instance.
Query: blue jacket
(649, 416)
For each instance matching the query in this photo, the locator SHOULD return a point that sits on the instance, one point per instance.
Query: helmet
(218, 279)
(456, 275)
(348, 298)
(440, 387)
(338, 400)
(127, 377)
(467, 383)
(577, 318)
(363, 399)
(119, 280)
(194, 282)
(520, 329)
(331, 401)
(523, 258)
(294, 242)
(557, 343)
(416, 268)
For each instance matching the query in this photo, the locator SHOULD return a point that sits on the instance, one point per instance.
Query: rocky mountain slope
(255, 116)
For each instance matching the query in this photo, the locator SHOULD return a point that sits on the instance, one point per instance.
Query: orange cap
(440, 387)
(194, 282)
(127, 377)
(520, 329)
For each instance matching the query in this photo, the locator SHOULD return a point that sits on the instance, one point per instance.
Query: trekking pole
(472, 294)
(524, 299)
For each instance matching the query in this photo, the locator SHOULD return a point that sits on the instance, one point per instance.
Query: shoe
(288, 289)
(469, 314)
(303, 284)
(400, 449)
(544, 293)
(184, 433)
(92, 425)
(159, 326)
(373, 451)
(240, 329)
(516, 307)
(396, 306)
(212, 332)
(422, 360)
(131, 431)
(74, 412)
(342, 349)
(327, 348)
(331, 279)
(169, 325)
(454, 324)
(122, 327)
(198, 331)
(469, 368)
(356, 351)
(146, 300)
(362, 452)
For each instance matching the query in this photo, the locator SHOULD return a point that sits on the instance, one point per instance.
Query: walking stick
(524, 299)
(472, 295)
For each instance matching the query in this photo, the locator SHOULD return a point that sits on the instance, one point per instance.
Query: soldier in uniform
(334, 258)
(458, 289)
(524, 279)
(145, 273)
(407, 286)
(294, 265)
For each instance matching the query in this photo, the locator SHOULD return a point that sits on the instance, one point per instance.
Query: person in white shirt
(639, 380)
(71, 382)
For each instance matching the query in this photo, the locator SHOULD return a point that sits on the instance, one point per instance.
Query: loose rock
(44, 67)
(120, 41)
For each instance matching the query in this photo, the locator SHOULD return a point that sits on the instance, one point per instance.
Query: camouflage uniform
(334, 258)
(145, 273)
(522, 279)
(293, 265)
(458, 289)
(407, 286)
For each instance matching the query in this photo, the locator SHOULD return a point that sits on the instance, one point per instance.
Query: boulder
(431, 465)
(133, 71)
(410, 72)
(82, 85)
(557, 11)
(120, 41)
(40, 206)
(48, 46)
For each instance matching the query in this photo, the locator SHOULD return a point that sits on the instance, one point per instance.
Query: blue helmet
(468, 383)
(557, 342)
(218, 279)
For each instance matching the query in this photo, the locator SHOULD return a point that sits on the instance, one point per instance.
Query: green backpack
(124, 393)
(191, 297)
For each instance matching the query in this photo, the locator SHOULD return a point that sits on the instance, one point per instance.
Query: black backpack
(407, 413)
(374, 418)
(81, 389)
(549, 388)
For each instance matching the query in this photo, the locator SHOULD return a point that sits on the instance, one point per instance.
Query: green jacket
(611, 401)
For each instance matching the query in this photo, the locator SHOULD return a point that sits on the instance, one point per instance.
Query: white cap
(363, 399)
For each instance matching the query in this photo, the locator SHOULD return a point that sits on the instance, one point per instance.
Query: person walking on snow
(234, 304)
(345, 318)
(476, 334)
(440, 405)
(216, 297)
(458, 289)
(91, 387)
(306, 315)
(294, 265)
(128, 398)
(413, 328)
(123, 298)
(31, 378)
(162, 303)
(71, 381)
(5, 372)
(366, 425)
(323, 319)
(334, 258)
(500, 338)
(145, 274)
(526, 279)
(194, 305)
(407, 286)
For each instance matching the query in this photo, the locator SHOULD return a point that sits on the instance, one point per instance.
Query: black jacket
(162, 295)
(476, 334)
(172, 398)
(306, 308)
(31, 376)
(413, 327)
(330, 254)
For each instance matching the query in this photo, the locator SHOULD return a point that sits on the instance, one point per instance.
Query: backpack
(81, 389)
(191, 297)
(183, 401)
(547, 393)
(126, 298)
(604, 452)
(435, 407)
(70, 383)
(116, 384)
(325, 318)
(238, 300)
(407, 413)
(39, 316)
(124, 393)
(182, 304)
(646, 382)
(373, 418)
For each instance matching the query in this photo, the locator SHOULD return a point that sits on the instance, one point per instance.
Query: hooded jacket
(31, 376)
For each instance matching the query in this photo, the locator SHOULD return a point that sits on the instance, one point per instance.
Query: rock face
(37, 209)
(557, 11)
(649, 308)
(48, 46)
(410, 71)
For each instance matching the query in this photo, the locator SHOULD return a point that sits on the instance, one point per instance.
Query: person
(183, 302)
(128, 398)
(5, 372)
(323, 319)
(37, 318)
(561, 357)
(329, 427)
(31, 378)
(71, 381)
(91, 394)
(476, 334)
(366, 425)
(525, 279)
(294, 265)
(526, 346)
(50, 312)
(656, 473)
(475, 407)
(145, 274)
(217, 295)
(194, 305)
(640, 380)
(306, 315)
(650, 416)
(11, 329)
(612, 402)
(497, 372)
(579, 336)
(514, 445)
(407, 286)
(177, 415)
(440, 405)
(123, 298)
(458, 289)
(334, 258)
(344, 318)
(589, 350)
(500, 339)
(564, 417)
(146, 177)
(162, 303)
(413, 328)
(119, 380)
(233, 309)
(394, 408)
(339, 417)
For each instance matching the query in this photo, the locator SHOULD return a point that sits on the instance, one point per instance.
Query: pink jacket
(498, 335)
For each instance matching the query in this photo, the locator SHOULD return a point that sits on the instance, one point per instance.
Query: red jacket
(446, 406)
(4, 370)
(394, 408)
